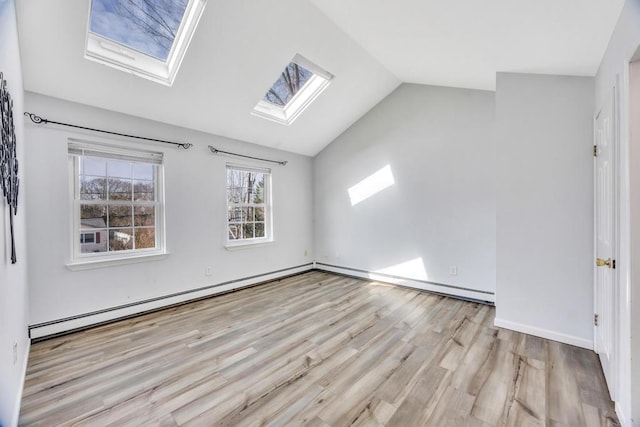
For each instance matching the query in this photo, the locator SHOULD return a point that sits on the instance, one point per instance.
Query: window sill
(100, 263)
(247, 245)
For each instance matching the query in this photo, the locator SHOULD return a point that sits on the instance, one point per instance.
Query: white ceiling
(463, 43)
(241, 46)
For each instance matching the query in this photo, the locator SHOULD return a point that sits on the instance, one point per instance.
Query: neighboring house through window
(248, 205)
(117, 205)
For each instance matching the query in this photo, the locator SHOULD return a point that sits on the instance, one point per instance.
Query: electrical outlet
(453, 270)
(208, 271)
(15, 353)
(305, 252)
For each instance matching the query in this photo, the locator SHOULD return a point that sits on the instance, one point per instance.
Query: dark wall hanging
(8, 160)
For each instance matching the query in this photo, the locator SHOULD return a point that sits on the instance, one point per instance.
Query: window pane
(145, 238)
(147, 26)
(248, 231)
(236, 215)
(260, 229)
(92, 188)
(120, 239)
(95, 241)
(254, 183)
(235, 231)
(119, 169)
(93, 166)
(143, 190)
(119, 189)
(288, 84)
(93, 216)
(259, 214)
(234, 195)
(143, 171)
(248, 213)
(144, 216)
(120, 216)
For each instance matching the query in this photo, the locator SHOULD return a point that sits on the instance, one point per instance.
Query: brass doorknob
(602, 262)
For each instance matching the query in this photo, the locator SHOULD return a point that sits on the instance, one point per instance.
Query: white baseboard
(59, 326)
(440, 288)
(544, 333)
(25, 362)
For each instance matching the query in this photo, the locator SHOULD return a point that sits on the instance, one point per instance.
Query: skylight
(295, 89)
(148, 27)
(292, 79)
(146, 37)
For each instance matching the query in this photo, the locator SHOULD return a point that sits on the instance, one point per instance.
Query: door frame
(629, 273)
(614, 98)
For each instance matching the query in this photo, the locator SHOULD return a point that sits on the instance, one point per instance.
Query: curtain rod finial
(35, 118)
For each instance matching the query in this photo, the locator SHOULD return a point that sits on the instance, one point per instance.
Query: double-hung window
(248, 205)
(117, 202)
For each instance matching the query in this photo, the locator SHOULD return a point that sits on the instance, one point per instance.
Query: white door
(605, 227)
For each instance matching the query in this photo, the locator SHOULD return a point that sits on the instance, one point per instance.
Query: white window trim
(301, 100)
(268, 227)
(100, 263)
(82, 261)
(124, 58)
(245, 244)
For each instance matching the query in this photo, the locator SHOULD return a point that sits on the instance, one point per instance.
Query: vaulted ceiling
(370, 46)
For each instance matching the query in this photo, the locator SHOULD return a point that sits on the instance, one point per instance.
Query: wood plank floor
(315, 349)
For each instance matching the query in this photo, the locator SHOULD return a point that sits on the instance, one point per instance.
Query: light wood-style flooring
(315, 349)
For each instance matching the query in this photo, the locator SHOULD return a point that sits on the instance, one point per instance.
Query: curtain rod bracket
(40, 120)
(216, 151)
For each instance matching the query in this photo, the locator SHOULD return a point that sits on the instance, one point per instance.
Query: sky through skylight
(292, 79)
(148, 26)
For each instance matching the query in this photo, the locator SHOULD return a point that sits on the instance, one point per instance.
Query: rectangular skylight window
(146, 37)
(147, 26)
(295, 89)
(292, 79)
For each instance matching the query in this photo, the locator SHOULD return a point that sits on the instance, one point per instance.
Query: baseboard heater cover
(45, 330)
(438, 288)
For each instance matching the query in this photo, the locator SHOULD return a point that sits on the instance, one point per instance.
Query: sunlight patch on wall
(412, 269)
(371, 185)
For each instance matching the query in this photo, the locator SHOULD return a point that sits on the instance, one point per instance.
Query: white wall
(195, 196)
(545, 206)
(440, 212)
(614, 68)
(13, 278)
(623, 44)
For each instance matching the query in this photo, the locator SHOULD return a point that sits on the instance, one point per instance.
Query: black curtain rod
(39, 120)
(216, 151)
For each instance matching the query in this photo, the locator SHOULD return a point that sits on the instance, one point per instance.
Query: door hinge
(595, 151)
(595, 320)
(613, 263)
